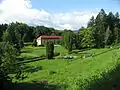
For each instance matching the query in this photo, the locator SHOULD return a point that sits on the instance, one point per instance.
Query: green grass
(65, 72)
(38, 51)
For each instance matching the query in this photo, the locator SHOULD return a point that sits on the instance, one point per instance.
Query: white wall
(44, 41)
(38, 42)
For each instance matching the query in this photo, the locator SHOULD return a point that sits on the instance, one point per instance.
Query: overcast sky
(60, 14)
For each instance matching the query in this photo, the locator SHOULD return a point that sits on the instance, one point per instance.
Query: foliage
(87, 40)
(91, 22)
(8, 61)
(42, 31)
(50, 50)
(34, 43)
(68, 40)
(13, 35)
(3, 27)
(99, 29)
(77, 41)
(20, 31)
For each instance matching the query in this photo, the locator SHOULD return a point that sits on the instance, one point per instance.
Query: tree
(34, 43)
(1, 74)
(77, 41)
(91, 22)
(107, 35)
(117, 28)
(117, 35)
(111, 24)
(8, 61)
(117, 20)
(14, 34)
(99, 29)
(42, 30)
(3, 27)
(49, 50)
(87, 40)
(68, 40)
(28, 34)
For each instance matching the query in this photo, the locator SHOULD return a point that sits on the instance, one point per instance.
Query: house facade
(42, 40)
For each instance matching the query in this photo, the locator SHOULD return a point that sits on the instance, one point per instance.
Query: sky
(59, 14)
(75, 5)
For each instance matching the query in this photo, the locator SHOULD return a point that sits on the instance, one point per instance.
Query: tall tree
(99, 29)
(87, 40)
(3, 27)
(91, 22)
(117, 20)
(68, 40)
(107, 35)
(14, 34)
(28, 34)
(111, 24)
(77, 41)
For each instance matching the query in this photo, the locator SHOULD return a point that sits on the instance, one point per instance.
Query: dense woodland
(101, 31)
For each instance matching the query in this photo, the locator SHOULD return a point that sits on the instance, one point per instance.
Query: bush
(49, 50)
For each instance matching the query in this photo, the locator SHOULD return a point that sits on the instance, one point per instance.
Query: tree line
(19, 33)
(104, 30)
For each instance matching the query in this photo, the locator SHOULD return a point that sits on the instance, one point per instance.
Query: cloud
(22, 11)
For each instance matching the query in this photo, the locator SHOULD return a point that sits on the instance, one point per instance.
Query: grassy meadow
(67, 74)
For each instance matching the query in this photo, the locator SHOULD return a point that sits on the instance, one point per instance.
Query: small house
(42, 40)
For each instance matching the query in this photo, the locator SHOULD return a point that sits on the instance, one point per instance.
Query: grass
(66, 74)
(38, 51)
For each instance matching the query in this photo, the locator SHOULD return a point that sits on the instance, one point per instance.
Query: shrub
(49, 50)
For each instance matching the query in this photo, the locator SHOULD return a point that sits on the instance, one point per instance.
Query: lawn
(65, 74)
(38, 51)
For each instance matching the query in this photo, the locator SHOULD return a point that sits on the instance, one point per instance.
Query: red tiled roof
(49, 37)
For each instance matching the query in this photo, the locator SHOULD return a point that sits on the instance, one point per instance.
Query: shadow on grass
(27, 51)
(31, 60)
(32, 69)
(85, 49)
(109, 81)
(27, 58)
(79, 51)
(42, 85)
(102, 53)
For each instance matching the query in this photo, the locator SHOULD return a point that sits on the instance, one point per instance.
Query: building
(42, 40)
